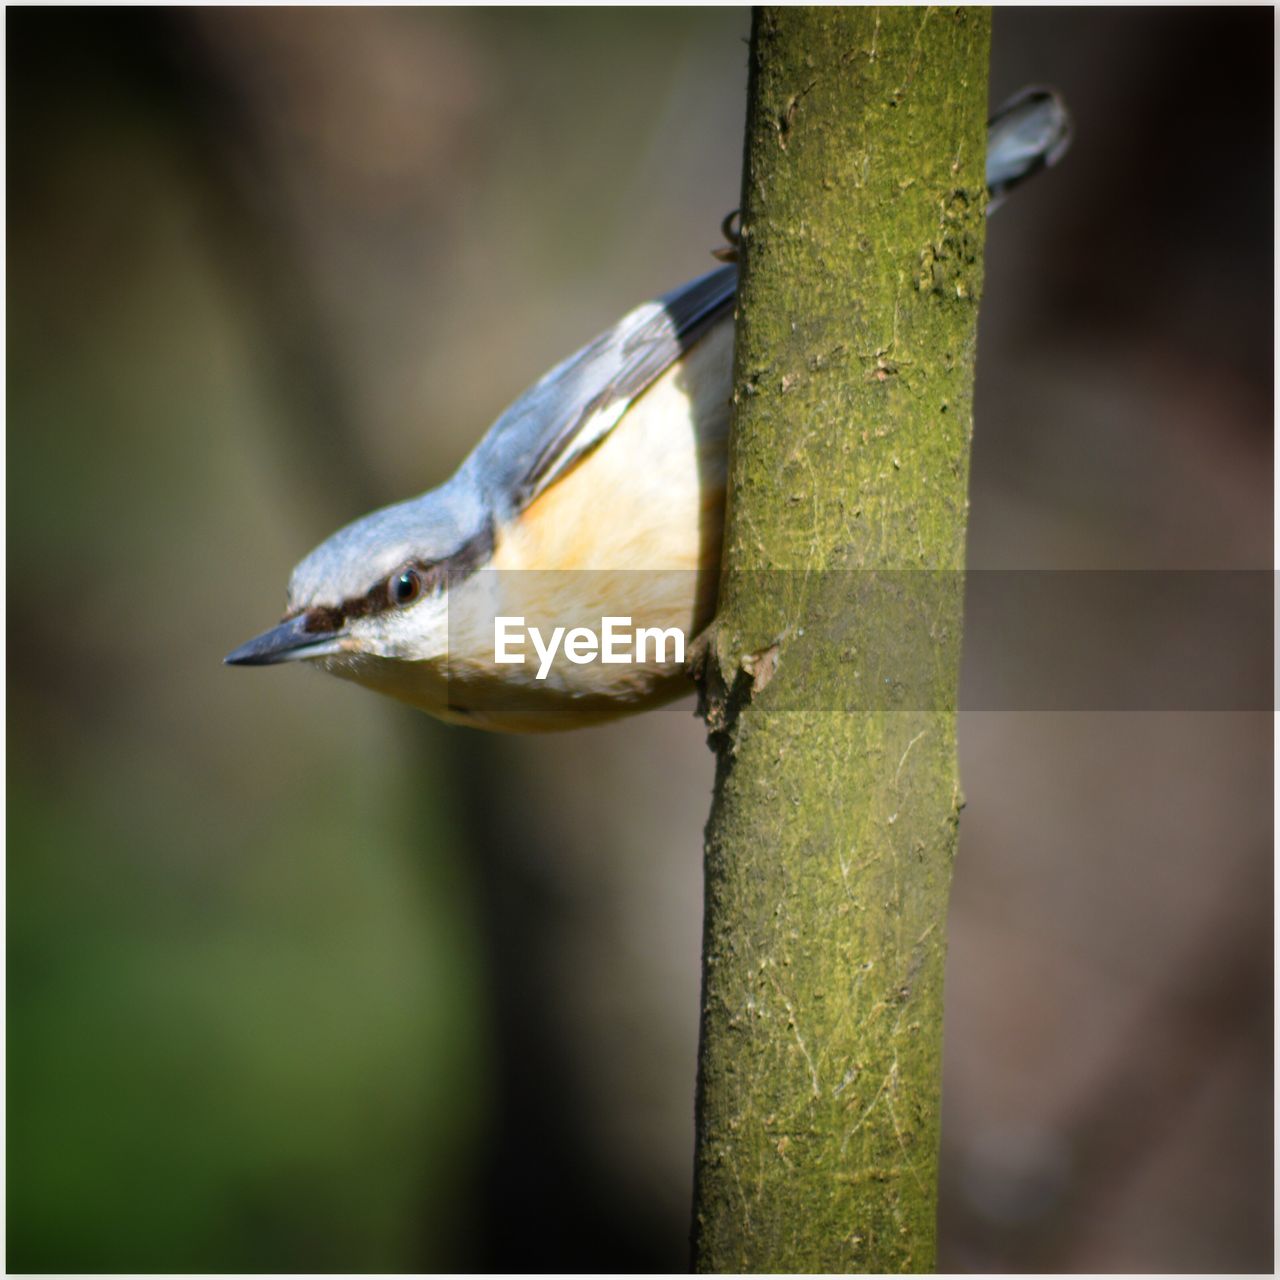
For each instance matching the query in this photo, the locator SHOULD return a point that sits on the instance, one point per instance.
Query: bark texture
(829, 677)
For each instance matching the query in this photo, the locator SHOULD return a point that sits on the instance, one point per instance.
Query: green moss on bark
(832, 833)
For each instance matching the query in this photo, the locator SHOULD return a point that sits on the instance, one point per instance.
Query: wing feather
(575, 406)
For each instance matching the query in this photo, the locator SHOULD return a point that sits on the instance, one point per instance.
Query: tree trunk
(830, 674)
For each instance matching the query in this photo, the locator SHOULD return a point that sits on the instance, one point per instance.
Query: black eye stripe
(432, 577)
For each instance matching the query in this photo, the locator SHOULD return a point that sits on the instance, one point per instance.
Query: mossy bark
(832, 834)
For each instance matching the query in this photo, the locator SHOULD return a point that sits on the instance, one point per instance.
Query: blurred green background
(299, 979)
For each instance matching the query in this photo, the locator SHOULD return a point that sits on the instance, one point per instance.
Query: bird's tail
(1029, 132)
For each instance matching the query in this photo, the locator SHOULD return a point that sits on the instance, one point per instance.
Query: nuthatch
(598, 495)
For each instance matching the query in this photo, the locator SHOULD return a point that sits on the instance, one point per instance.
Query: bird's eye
(405, 586)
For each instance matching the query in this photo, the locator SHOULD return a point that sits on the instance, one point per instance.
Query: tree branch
(830, 675)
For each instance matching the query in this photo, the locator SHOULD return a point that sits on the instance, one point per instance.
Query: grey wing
(576, 405)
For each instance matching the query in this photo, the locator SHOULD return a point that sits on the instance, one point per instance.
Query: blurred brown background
(301, 980)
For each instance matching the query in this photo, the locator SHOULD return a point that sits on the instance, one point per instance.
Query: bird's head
(376, 593)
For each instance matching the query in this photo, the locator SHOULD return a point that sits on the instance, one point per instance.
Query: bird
(587, 521)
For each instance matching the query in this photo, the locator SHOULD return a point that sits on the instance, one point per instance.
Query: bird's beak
(285, 643)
